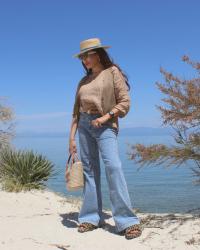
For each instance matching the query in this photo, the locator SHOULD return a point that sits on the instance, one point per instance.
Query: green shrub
(24, 170)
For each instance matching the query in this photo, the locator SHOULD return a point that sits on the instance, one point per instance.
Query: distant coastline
(134, 131)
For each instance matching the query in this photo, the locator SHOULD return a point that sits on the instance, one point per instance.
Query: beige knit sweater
(106, 91)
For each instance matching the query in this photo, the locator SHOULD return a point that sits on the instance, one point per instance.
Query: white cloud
(42, 116)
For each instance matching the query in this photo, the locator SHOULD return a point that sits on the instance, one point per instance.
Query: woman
(101, 97)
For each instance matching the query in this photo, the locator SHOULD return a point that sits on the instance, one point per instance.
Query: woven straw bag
(74, 173)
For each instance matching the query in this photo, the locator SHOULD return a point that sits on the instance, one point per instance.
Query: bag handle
(73, 155)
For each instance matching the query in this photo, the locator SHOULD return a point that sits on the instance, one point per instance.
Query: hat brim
(102, 46)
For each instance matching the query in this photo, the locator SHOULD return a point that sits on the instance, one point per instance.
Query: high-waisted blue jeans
(93, 140)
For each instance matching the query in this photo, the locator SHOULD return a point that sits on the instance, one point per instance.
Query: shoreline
(45, 219)
(136, 210)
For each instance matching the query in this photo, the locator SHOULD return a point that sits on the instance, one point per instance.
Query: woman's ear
(99, 58)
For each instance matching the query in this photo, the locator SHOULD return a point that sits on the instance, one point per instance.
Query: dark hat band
(93, 47)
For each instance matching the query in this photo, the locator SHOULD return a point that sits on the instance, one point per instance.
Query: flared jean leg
(91, 209)
(119, 196)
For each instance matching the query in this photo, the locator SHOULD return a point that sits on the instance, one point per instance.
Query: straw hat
(90, 44)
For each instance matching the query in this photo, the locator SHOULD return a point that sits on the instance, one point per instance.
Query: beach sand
(45, 220)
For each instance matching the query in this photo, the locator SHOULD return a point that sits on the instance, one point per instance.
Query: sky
(39, 76)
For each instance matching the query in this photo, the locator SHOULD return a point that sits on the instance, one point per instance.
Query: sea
(152, 188)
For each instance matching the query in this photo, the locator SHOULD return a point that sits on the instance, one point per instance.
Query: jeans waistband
(87, 115)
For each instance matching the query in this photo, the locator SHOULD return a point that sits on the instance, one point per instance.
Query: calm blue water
(151, 189)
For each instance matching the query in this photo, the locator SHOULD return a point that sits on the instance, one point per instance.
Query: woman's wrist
(107, 116)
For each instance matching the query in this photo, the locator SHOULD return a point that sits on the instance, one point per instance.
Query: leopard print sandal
(86, 226)
(133, 231)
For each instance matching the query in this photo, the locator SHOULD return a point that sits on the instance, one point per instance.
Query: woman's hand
(72, 146)
(99, 121)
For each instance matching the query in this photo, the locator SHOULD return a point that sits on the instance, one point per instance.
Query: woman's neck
(97, 69)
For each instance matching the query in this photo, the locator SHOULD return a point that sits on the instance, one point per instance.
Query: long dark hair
(107, 62)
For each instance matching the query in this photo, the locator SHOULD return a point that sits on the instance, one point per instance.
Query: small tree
(20, 169)
(183, 115)
(6, 124)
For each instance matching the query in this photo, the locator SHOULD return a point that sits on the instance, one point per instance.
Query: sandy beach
(46, 220)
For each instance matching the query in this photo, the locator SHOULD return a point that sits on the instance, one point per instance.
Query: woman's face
(90, 59)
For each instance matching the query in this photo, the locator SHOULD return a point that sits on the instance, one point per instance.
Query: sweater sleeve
(122, 96)
(75, 112)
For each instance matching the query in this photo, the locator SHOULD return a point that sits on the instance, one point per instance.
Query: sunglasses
(85, 55)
